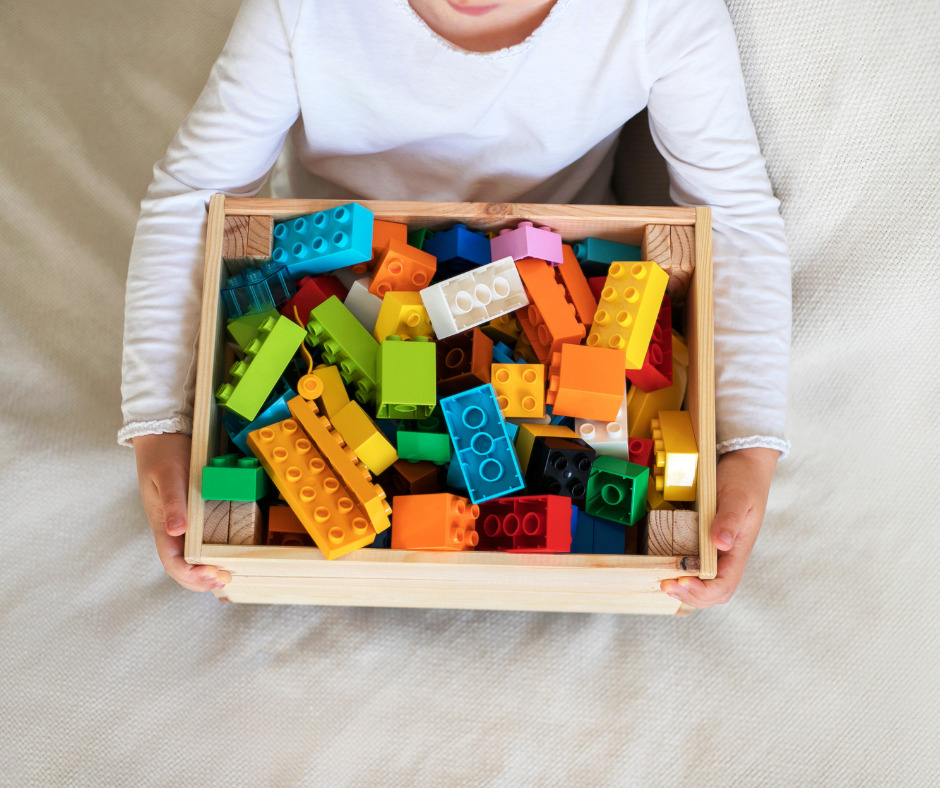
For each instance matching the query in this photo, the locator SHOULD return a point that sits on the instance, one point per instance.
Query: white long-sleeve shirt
(374, 105)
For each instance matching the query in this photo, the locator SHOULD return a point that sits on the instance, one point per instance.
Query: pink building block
(527, 240)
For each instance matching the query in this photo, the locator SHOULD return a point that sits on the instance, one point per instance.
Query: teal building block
(324, 241)
(266, 357)
(432, 446)
(596, 255)
(406, 373)
(233, 478)
(345, 342)
(616, 490)
(257, 289)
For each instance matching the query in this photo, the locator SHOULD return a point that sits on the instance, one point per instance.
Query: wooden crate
(481, 580)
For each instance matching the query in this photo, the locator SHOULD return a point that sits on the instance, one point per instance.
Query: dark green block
(232, 477)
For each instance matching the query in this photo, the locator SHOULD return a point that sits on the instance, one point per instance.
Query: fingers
(705, 593)
(192, 577)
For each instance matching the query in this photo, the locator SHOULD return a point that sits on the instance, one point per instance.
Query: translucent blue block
(324, 241)
(459, 249)
(483, 448)
(274, 410)
(257, 289)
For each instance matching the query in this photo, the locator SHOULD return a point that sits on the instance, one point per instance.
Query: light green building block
(345, 342)
(244, 329)
(407, 378)
(266, 358)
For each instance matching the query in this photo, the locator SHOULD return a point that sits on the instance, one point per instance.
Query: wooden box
(482, 580)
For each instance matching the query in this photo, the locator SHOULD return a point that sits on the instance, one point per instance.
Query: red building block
(641, 452)
(530, 524)
(434, 522)
(549, 320)
(586, 382)
(311, 292)
(597, 284)
(402, 267)
(656, 372)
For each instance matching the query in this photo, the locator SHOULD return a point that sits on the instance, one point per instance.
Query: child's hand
(743, 485)
(163, 474)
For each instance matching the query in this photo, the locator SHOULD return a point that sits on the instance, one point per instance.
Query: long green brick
(266, 358)
(345, 342)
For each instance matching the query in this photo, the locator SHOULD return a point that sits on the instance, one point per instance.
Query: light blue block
(324, 241)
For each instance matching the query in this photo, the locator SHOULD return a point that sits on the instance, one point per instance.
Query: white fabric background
(820, 672)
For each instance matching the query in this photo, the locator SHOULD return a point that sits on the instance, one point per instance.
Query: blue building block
(502, 353)
(482, 445)
(274, 410)
(566, 421)
(324, 241)
(455, 477)
(257, 289)
(383, 540)
(582, 532)
(598, 536)
(596, 255)
(458, 249)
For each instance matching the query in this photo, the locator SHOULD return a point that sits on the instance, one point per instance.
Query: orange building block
(627, 310)
(323, 505)
(285, 530)
(434, 522)
(577, 289)
(402, 267)
(382, 233)
(586, 382)
(549, 320)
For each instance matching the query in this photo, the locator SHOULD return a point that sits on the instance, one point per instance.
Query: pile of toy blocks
(446, 390)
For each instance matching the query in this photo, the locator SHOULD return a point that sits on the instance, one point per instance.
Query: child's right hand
(163, 474)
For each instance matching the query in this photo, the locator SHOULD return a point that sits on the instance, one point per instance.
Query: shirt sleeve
(228, 143)
(701, 124)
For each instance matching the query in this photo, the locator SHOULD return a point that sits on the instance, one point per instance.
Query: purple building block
(527, 240)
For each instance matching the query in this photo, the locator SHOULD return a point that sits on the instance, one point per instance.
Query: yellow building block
(627, 309)
(323, 505)
(654, 498)
(642, 406)
(353, 474)
(330, 395)
(364, 438)
(520, 389)
(525, 439)
(676, 455)
(402, 314)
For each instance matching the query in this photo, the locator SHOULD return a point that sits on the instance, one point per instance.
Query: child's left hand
(743, 486)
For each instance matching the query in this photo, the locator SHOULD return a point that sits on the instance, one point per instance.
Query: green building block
(418, 237)
(244, 329)
(232, 477)
(406, 378)
(415, 446)
(345, 342)
(266, 357)
(616, 490)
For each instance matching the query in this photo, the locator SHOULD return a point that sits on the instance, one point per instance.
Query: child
(467, 100)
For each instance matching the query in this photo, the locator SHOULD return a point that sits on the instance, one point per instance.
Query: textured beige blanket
(822, 670)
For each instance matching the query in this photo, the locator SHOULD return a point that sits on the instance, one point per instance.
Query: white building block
(364, 305)
(609, 438)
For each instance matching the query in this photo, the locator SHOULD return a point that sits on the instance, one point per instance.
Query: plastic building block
(673, 248)
(577, 290)
(413, 478)
(595, 255)
(641, 452)
(247, 238)
(215, 522)
(596, 284)
(245, 524)
(550, 320)
(346, 343)
(475, 297)
(609, 438)
(419, 237)
(482, 444)
(672, 533)
(266, 358)
(463, 361)
(520, 389)
(654, 498)
(311, 292)
(274, 409)
(325, 386)
(402, 267)
(529, 524)
(430, 446)
(559, 466)
(407, 375)
(353, 475)
(525, 439)
(434, 522)
(233, 478)
(383, 541)
(458, 249)
(616, 490)
(383, 232)
(455, 479)
(402, 314)
(502, 354)
(257, 290)
(586, 382)
(323, 241)
(627, 310)
(244, 329)
(598, 535)
(505, 329)
(523, 350)
(363, 437)
(642, 406)
(363, 305)
(656, 372)
(676, 455)
(285, 530)
(527, 240)
(337, 523)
